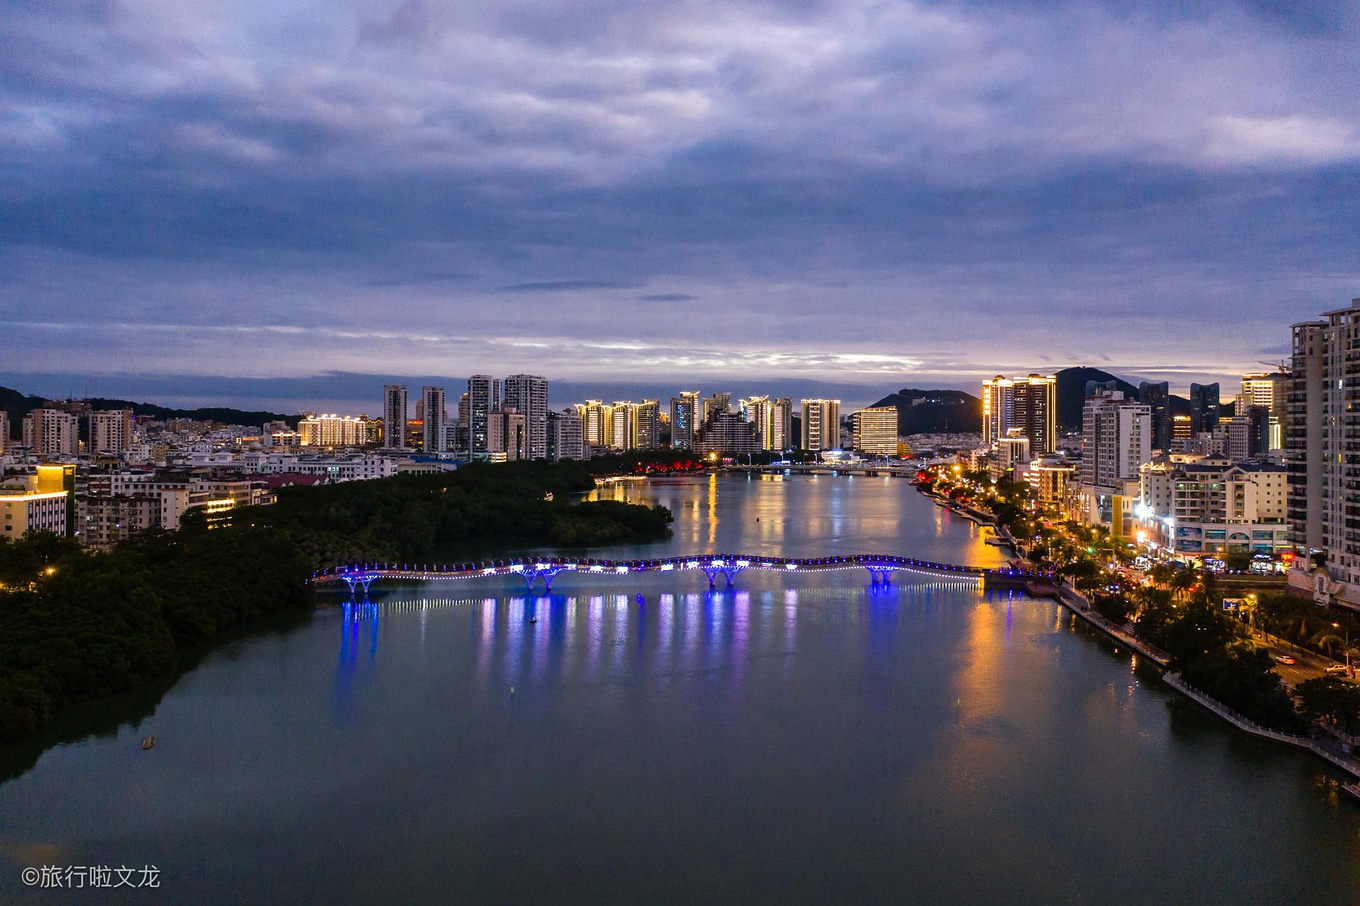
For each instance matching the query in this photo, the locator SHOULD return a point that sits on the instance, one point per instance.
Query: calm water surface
(800, 738)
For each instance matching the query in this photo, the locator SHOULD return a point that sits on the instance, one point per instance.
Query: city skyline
(353, 392)
(253, 193)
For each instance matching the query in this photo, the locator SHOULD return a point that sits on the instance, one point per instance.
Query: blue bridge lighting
(881, 568)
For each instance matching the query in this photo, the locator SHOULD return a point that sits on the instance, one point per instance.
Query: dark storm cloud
(834, 188)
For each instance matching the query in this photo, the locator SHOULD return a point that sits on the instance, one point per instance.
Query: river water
(801, 738)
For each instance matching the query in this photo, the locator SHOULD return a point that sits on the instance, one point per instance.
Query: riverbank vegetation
(89, 624)
(412, 518)
(77, 625)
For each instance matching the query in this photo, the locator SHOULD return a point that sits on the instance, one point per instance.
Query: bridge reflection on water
(499, 643)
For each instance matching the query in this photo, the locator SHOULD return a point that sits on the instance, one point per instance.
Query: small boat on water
(148, 742)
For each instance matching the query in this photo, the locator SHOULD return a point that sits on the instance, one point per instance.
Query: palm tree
(1184, 580)
(1162, 573)
(1147, 596)
(1328, 641)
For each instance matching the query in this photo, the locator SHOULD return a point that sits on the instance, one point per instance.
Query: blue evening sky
(712, 193)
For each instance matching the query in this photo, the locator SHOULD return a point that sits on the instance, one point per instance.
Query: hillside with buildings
(934, 411)
(16, 405)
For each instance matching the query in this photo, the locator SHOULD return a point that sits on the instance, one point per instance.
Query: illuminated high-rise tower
(394, 416)
(433, 419)
(484, 397)
(528, 395)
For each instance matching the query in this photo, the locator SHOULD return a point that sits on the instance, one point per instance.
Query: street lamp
(1348, 646)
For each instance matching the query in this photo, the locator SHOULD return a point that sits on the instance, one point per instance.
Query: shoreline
(1081, 607)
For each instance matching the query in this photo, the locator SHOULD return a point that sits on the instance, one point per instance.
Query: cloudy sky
(841, 191)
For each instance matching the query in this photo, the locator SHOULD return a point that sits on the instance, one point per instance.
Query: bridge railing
(706, 562)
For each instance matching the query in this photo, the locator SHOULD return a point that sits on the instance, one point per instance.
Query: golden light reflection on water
(978, 691)
(778, 515)
(712, 510)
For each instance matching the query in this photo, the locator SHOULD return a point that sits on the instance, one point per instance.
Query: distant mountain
(17, 405)
(935, 411)
(1072, 393)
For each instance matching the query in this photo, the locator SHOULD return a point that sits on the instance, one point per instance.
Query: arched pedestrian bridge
(881, 568)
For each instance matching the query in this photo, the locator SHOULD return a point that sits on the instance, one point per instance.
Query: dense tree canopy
(78, 625)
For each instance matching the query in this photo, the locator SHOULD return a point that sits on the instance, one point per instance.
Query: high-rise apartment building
(1028, 403)
(4, 432)
(781, 424)
(619, 425)
(1180, 431)
(718, 402)
(566, 435)
(875, 431)
(821, 425)
(528, 394)
(686, 415)
(394, 416)
(1157, 397)
(726, 433)
(1204, 408)
(52, 432)
(1116, 440)
(646, 417)
(1322, 448)
(1269, 390)
(507, 435)
(484, 397)
(594, 422)
(998, 408)
(433, 419)
(331, 431)
(1247, 434)
(111, 431)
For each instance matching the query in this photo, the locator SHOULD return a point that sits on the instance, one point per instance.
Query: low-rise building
(1008, 453)
(34, 503)
(1051, 480)
(1213, 506)
(104, 521)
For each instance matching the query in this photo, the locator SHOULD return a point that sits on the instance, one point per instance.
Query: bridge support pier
(727, 569)
(880, 575)
(548, 574)
(353, 581)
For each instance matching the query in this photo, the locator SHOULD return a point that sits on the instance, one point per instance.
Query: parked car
(1336, 670)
